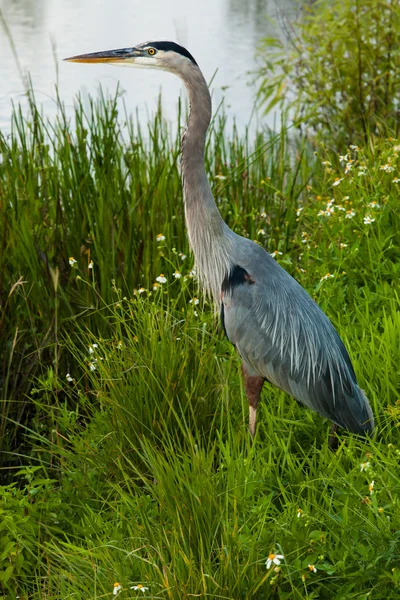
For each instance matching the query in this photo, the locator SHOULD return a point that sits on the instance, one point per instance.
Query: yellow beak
(114, 56)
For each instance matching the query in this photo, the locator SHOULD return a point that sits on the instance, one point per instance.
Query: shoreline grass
(126, 457)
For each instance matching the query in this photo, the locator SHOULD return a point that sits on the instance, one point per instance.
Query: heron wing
(282, 335)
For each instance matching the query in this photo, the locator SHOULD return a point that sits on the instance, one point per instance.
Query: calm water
(221, 34)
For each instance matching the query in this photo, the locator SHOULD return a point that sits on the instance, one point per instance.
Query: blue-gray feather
(283, 336)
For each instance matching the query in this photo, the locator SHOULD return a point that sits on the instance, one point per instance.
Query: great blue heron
(279, 331)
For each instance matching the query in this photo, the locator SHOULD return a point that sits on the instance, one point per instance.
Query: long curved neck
(209, 236)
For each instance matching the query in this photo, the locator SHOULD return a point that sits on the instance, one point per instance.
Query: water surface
(222, 35)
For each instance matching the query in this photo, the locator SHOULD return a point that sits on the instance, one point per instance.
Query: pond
(223, 36)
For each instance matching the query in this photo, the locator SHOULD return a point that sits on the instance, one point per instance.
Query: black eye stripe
(172, 46)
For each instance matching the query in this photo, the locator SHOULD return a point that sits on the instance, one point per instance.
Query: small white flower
(160, 237)
(139, 588)
(274, 559)
(299, 513)
(368, 220)
(342, 245)
(350, 214)
(352, 147)
(396, 180)
(177, 274)
(326, 163)
(321, 213)
(263, 215)
(327, 276)
(329, 210)
(194, 301)
(72, 261)
(371, 487)
(192, 272)
(337, 181)
(344, 158)
(374, 205)
(276, 253)
(92, 348)
(117, 588)
(365, 466)
(92, 366)
(90, 265)
(298, 211)
(182, 256)
(155, 287)
(69, 378)
(261, 232)
(312, 568)
(387, 168)
(141, 290)
(161, 278)
(222, 177)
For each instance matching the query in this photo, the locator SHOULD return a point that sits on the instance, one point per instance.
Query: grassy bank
(126, 458)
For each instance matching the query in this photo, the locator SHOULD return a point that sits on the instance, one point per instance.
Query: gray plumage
(280, 333)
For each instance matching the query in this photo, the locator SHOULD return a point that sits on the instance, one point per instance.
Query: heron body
(279, 331)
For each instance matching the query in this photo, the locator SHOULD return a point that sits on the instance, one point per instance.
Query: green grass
(137, 468)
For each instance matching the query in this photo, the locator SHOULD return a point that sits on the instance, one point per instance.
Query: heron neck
(209, 236)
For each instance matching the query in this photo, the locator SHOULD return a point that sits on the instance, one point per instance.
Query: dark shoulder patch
(172, 46)
(238, 276)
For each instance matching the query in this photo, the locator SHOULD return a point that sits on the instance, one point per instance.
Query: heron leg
(253, 386)
(333, 442)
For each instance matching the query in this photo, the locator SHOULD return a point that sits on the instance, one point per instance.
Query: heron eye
(151, 51)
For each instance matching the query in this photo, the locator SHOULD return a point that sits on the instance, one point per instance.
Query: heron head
(160, 55)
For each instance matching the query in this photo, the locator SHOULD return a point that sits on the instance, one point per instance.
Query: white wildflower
(312, 568)
(387, 168)
(274, 559)
(327, 276)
